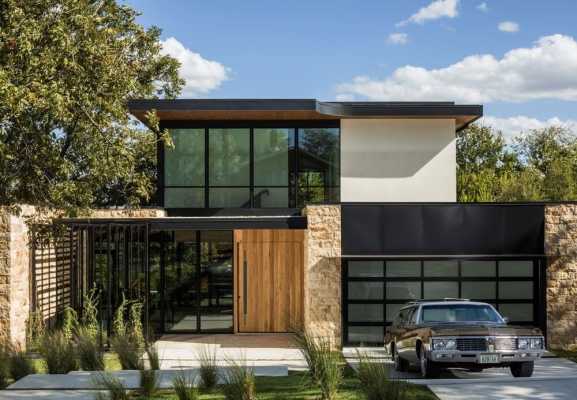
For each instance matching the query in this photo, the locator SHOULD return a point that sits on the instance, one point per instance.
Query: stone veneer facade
(322, 282)
(561, 251)
(15, 265)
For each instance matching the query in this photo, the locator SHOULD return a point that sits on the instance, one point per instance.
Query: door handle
(244, 285)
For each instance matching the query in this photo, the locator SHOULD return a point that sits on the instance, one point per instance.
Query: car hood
(482, 330)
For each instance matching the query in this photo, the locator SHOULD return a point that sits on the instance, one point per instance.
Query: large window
(251, 167)
(374, 290)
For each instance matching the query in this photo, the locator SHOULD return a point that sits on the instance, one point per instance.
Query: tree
(67, 69)
(552, 152)
(482, 160)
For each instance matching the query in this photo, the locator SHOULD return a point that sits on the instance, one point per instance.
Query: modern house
(276, 215)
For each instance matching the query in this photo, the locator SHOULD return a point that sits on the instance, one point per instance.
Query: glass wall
(251, 167)
(184, 169)
(191, 281)
(374, 290)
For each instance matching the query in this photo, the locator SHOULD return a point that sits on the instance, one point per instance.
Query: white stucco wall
(398, 160)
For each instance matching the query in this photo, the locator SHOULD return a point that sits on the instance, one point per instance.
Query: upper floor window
(251, 167)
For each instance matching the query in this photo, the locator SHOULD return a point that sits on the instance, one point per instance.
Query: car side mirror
(506, 319)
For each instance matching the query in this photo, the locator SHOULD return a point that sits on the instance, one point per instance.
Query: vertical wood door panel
(269, 280)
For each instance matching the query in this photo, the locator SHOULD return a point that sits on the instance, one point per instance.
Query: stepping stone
(79, 380)
(48, 394)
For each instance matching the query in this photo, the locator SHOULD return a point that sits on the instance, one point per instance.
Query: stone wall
(561, 251)
(14, 274)
(322, 281)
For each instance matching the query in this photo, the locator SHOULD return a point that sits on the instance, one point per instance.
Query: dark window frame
(293, 187)
(538, 279)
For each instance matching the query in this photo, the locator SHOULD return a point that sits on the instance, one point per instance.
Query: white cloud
(509, 27)
(398, 38)
(544, 71)
(201, 75)
(483, 7)
(514, 126)
(437, 9)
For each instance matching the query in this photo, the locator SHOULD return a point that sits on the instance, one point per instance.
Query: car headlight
(523, 343)
(444, 344)
(532, 343)
(536, 343)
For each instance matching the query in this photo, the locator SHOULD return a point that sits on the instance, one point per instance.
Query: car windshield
(448, 313)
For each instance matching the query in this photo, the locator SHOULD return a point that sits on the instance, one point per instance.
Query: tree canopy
(67, 70)
(537, 165)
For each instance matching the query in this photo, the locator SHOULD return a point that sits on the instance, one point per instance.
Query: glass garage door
(374, 290)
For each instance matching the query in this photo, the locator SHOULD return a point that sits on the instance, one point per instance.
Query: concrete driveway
(553, 379)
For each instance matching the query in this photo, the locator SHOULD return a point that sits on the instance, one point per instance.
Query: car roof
(443, 302)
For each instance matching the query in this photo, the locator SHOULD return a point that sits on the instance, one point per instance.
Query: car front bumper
(474, 357)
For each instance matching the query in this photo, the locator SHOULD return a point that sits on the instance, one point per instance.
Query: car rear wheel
(429, 369)
(522, 369)
(401, 364)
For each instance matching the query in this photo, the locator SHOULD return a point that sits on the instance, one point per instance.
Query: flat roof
(300, 109)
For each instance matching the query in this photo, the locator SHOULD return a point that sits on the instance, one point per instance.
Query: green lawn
(294, 387)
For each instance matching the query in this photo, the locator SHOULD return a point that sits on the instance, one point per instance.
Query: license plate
(488, 358)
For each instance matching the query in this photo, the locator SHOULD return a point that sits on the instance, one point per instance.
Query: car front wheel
(429, 369)
(401, 364)
(522, 369)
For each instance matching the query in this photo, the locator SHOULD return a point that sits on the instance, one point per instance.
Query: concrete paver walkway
(182, 351)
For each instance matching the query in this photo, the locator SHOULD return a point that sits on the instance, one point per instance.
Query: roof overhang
(300, 109)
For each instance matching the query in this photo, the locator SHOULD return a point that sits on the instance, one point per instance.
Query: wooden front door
(269, 271)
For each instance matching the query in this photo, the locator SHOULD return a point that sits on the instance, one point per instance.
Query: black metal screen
(70, 260)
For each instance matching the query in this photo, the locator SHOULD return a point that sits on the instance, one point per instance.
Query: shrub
(90, 351)
(376, 384)
(208, 368)
(127, 351)
(114, 387)
(240, 382)
(183, 387)
(58, 352)
(153, 357)
(20, 364)
(325, 365)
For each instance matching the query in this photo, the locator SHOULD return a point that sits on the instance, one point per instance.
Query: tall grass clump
(58, 353)
(4, 365)
(183, 387)
(19, 364)
(89, 317)
(376, 381)
(114, 387)
(128, 339)
(208, 367)
(35, 329)
(148, 382)
(69, 322)
(89, 348)
(153, 357)
(129, 355)
(325, 365)
(240, 382)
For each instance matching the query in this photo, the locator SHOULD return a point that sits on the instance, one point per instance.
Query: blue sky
(360, 50)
